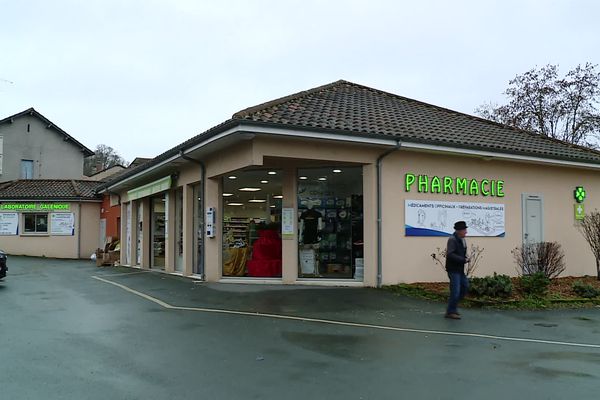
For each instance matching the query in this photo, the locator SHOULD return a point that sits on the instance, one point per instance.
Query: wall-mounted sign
(35, 207)
(450, 185)
(210, 221)
(287, 223)
(437, 218)
(579, 194)
(579, 212)
(62, 224)
(9, 224)
(151, 188)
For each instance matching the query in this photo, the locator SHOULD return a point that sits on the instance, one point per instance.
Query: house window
(26, 169)
(36, 223)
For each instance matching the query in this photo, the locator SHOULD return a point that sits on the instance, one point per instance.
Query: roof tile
(40, 189)
(353, 108)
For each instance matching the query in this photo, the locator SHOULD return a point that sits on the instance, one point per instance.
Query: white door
(533, 218)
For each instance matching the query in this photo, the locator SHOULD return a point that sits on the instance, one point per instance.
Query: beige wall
(90, 228)
(52, 156)
(407, 259)
(87, 236)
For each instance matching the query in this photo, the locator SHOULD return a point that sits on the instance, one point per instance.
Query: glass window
(179, 230)
(26, 169)
(252, 223)
(330, 227)
(158, 228)
(36, 223)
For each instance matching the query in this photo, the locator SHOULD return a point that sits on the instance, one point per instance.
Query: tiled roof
(347, 107)
(350, 109)
(58, 189)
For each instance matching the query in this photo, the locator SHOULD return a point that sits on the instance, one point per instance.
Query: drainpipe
(202, 192)
(79, 231)
(379, 211)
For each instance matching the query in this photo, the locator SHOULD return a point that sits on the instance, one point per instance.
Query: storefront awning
(149, 189)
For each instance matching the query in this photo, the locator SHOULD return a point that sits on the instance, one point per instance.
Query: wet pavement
(69, 336)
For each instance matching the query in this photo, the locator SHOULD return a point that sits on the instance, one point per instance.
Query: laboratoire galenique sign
(34, 207)
(436, 218)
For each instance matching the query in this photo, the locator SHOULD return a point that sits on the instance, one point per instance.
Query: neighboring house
(50, 217)
(107, 173)
(33, 147)
(138, 161)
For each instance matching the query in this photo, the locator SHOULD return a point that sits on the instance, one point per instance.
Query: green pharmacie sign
(35, 207)
(450, 185)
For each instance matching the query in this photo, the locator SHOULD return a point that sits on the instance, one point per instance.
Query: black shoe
(452, 316)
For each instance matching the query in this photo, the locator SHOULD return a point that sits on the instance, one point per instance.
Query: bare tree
(562, 108)
(590, 229)
(104, 157)
(474, 253)
(545, 257)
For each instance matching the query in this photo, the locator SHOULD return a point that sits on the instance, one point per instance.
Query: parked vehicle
(3, 267)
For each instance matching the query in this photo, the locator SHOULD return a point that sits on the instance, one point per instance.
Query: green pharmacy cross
(579, 194)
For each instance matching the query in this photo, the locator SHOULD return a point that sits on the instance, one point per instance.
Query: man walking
(456, 258)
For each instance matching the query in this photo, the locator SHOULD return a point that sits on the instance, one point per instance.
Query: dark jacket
(456, 254)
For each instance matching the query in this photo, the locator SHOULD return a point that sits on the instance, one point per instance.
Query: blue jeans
(459, 286)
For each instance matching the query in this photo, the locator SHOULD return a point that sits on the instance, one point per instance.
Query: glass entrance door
(138, 252)
(252, 202)
(158, 230)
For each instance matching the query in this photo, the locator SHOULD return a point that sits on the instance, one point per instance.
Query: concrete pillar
(123, 234)
(188, 230)
(213, 246)
(290, 245)
(370, 224)
(134, 232)
(171, 236)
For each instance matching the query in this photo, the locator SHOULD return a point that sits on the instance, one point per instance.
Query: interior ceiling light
(337, 171)
(249, 189)
(264, 182)
(322, 178)
(257, 201)
(278, 197)
(272, 173)
(232, 177)
(235, 204)
(303, 178)
(272, 206)
(226, 195)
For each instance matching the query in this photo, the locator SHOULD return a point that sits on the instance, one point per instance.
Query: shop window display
(158, 227)
(252, 224)
(330, 223)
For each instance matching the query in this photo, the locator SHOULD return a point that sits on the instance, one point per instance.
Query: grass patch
(415, 291)
(560, 295)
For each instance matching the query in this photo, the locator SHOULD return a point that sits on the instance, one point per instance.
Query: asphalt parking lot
(74, 331)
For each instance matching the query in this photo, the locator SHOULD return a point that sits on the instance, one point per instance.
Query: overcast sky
(143, 76)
